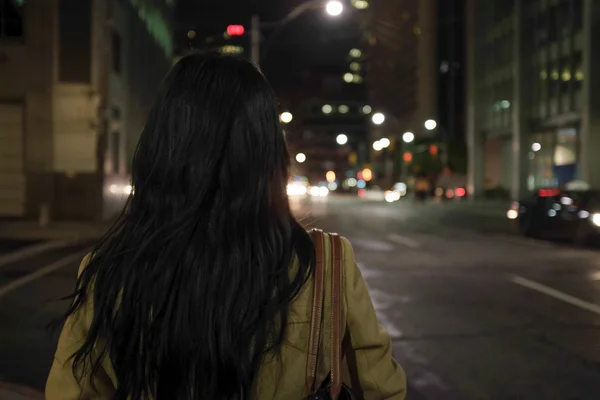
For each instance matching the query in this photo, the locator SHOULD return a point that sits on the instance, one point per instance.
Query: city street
(475, 312)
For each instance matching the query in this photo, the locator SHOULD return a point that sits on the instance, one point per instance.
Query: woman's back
(200, 290)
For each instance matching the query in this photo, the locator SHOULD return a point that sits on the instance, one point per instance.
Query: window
(75, 50)
(577, 13)
(116, 52)
(11, 18)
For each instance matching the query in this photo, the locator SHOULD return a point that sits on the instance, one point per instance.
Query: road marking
(547, 290)
(30, 251)
(63, 262)
(403, 240)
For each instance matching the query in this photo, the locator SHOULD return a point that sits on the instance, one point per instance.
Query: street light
(341, 139)
(378, 118)
(334, 8)
(377, 146)
(385, 143)
(286, 117)
(300, 157)
(408, 137)
(430, 124)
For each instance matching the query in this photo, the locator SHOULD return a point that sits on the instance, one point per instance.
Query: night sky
(313, 40)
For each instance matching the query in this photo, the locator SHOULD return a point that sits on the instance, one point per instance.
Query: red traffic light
(235, 30)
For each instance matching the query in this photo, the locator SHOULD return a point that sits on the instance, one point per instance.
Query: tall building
(533, 106)
(76, 80)
(401, 58)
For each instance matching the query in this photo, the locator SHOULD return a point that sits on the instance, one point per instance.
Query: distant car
(556, 213)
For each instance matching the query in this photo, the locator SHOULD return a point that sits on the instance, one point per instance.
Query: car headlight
(596, 219)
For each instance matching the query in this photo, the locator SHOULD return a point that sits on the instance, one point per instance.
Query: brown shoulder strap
(317, 309)
(336, 315)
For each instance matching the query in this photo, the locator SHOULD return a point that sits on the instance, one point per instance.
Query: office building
(532, 101)
(76, 80)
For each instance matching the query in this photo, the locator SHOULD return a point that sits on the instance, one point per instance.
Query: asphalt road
(474, 311)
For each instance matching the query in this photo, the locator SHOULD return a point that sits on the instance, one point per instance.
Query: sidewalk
(31, 230)
(15, 392)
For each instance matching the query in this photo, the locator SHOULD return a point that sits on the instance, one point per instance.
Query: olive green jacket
(368, 365)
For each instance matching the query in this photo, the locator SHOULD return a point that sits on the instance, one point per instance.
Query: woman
(202, 289)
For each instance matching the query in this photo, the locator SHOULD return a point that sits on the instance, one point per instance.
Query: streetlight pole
(333, 8)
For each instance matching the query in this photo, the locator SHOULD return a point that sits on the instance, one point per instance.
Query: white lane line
(403, 240)
(48, 269)
(33, 250)
(547, 290)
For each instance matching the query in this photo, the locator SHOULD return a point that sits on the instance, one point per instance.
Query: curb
(22, 391)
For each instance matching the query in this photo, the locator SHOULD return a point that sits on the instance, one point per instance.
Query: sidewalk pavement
(31, 230)
(9, 391)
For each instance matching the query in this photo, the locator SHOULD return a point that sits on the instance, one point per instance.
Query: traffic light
(433, 149)
(235, 30)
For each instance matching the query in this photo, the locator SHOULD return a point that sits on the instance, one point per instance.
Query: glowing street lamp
(286, 117)
(385, 143)
(334, 8)
(341, 139)
(408, 137)
(300, 158)
(430, 124)
(378, 118)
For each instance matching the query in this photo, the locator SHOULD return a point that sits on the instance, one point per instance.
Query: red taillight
(548, 192)
(362, 193)
(461, 192)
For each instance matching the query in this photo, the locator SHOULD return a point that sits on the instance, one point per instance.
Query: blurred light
(361, 4)
(385, 143)
(361, 184)
(449, 193)
(127, 189)
(433, 149)
(378, 118)
(343, 109)
(231, 49)
(583, 214)
(407, 157)
(596, 219)
(235, 30)
(439, 192)
(355, 66)
(286, 117)
(191, 34)
(566, 75)
(330, 176)
(552, 213)
(505, 104)
(536, 147)
(408, 137)
(461, 192)
(377, 146)
(332, 186)
(357, 78)
(351, 182)
(317, 191)
(341, 139)
(296, 189)
(512, 214)
(566, 201)
(579, 75)
(348, 77)
(362, 193)
(400, 187)
(430, 124)
(367, 109)
(113, 189)
(554, 74)
(367, 174)
(327, 109)
(355, 53)
(334, 8)
(300, 157)
(391, 196)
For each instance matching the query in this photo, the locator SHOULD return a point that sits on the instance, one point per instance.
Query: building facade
(532, 98)
(76, 79)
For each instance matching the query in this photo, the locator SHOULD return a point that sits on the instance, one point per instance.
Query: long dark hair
(192, 287)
